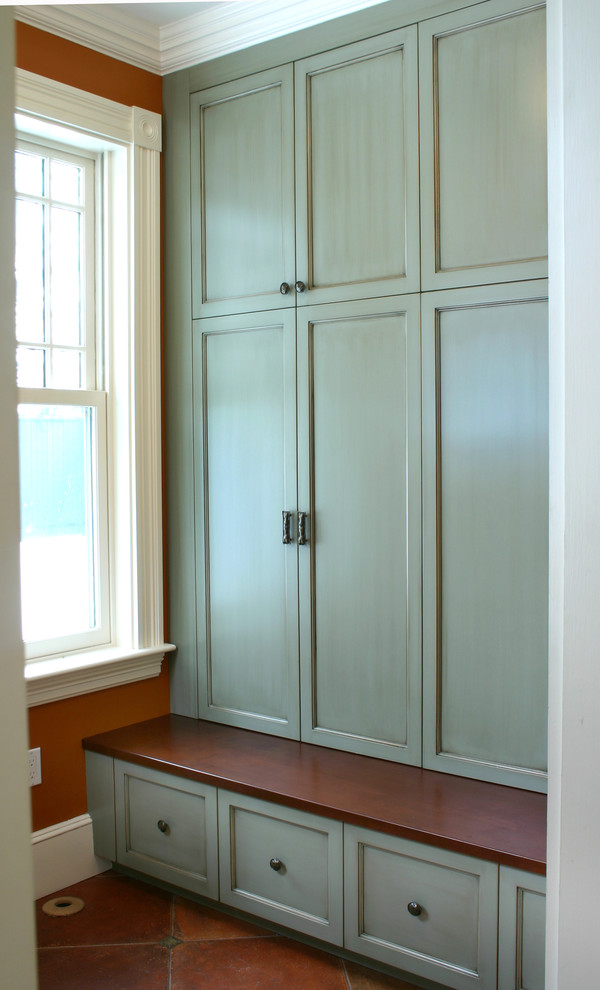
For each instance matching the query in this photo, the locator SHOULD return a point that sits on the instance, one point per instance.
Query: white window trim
(134, 137)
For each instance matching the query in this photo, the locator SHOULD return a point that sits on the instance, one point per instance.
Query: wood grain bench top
(502, 824)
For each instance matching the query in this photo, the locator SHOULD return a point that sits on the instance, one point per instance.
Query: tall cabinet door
(359, 483)
(483, 145)
(245, 437)
(485, 531)
(357, 170)
(242, 176)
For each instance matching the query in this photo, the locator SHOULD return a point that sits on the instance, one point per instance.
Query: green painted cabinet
(482, 89)
(485, 496)
(245, 464)
(404, 613)
(521, 930)
(430, 911)
(345, 224)
(242, 202)
(282, 864)
(360, 570)
(166, 827)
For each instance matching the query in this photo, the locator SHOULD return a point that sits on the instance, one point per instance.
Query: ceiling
(164, 37)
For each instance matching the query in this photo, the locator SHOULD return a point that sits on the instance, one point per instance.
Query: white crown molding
(113, 32)
(217, 31)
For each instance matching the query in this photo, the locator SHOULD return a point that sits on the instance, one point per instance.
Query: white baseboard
(63, 855)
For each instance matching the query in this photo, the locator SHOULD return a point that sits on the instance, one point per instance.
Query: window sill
(92, 670)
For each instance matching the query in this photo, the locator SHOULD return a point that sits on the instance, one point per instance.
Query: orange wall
(58, 728)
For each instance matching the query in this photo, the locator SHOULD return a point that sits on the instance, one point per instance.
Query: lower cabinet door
(428, 911)
(521, 930)
(167, 827)
(282, 864)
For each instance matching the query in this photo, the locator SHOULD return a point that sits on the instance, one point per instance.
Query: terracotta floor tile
(254, 964)
(195, 922)
(117, 909)
(361, 978)
(107, 967)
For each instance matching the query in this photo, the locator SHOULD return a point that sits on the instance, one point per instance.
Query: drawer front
(426, 910)
(167, 827)
(522, 937)
(282, 864)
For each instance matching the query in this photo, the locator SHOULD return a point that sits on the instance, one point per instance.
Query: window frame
(129, 139)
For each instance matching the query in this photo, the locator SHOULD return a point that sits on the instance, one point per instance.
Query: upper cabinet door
(242, 195)
(357, 170)
(483, 146)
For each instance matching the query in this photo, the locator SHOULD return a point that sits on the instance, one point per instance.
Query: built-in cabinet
(367, 235)
(458, 920)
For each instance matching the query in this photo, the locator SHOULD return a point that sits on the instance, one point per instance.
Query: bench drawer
(423, 909)
(282, 864)
(167, 827)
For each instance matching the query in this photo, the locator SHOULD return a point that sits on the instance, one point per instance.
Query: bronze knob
(284, 288)
(300, 287)
(414, 909)
(275, 864)
(162, 826)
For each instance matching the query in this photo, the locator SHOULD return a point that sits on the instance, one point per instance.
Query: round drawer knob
(162, 826)
(414, 909)
(300, 287)
(275, 864)
(284, 288)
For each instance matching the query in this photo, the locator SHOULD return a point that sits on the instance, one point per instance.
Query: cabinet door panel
(243, 194)
(246, 419)
(360, 573)
(485, 426)
(484, 189)
(357, 170)
(521, 930)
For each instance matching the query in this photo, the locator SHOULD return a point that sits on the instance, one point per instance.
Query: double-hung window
(65, 585)
(87, 181)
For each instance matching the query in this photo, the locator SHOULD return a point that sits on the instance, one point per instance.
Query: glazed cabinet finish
(483, 146)
(355, 152)
(357, 170)
(166, 827)
(522, 922)
(485, 457)
(281, 864)
(359, 471)
(326, 193)
(242, 158)
(423, 909)
(245, 414)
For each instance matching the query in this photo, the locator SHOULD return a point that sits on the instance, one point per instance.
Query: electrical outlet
(34, 764)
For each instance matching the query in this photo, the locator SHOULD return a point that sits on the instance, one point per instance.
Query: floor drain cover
(62, 907)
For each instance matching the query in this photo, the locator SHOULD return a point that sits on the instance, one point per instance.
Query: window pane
(31, 367)
(65, 182)
(65, 277)
(29, 174)
(67, 369)
(58, 525)
(29, 271)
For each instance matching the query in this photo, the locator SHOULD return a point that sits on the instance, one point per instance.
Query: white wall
(574, 787)
(17, 940)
